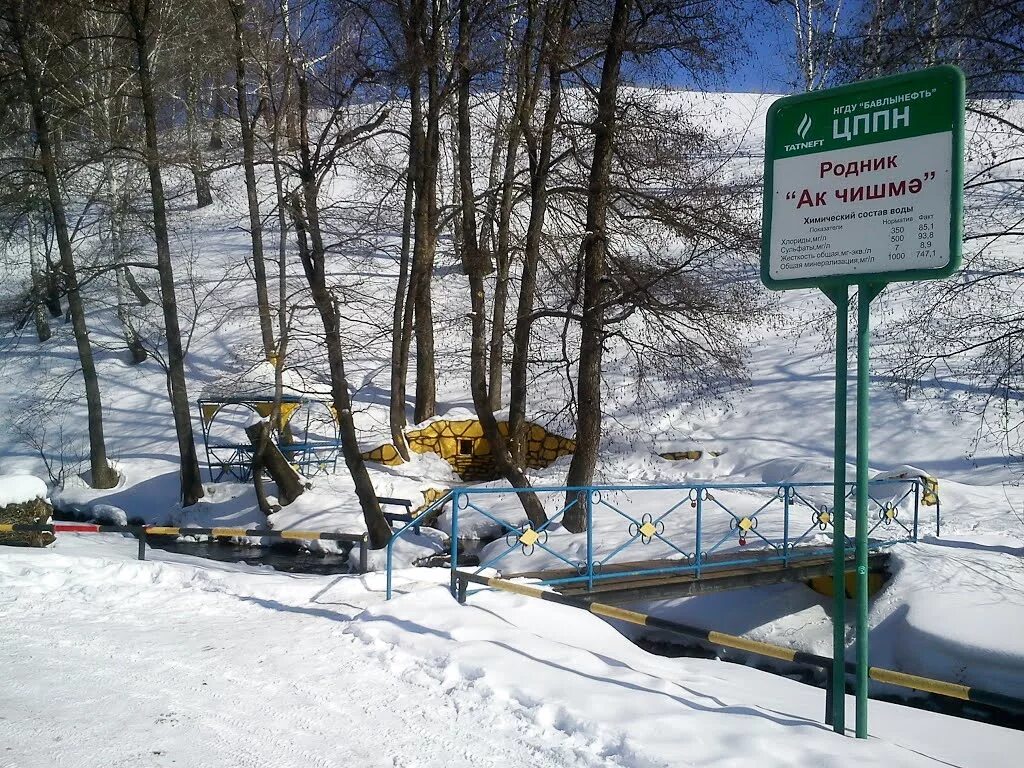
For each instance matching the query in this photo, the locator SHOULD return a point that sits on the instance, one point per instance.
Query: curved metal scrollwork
(696, 494)
(888, 513)
(647, 529)
(743, 526)
(822, 518)
(528, 539)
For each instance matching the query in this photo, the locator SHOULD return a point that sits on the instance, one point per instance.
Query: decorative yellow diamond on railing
(746, 524)
(824, 517)
(890, 512)
(529, 537)
(647, 530)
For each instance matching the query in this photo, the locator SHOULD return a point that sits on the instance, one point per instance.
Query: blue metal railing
(413, 526)
(632, 530)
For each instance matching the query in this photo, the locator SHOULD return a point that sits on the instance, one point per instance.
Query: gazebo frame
(234, 460)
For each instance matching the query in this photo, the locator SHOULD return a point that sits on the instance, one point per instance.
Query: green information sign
(863, 186)
(863, 183)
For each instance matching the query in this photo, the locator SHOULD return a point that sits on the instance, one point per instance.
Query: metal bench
(398, 517)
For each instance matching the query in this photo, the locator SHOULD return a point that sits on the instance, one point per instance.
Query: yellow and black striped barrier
(142, 532)
(722, 639)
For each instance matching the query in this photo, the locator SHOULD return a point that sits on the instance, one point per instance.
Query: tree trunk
(556, 28)
(307, 220)
(132, 342)
(216, 143)
(399, 339)
(588, 387)
(423, 265)
(238, 11)
(476, 265)
(282, 240)
(191, 482)
(53, 290)
(102, 474)
(43, 332)
(269, 456)
(425, 133)
(527, 91)
(487, 240)
(140, 295)
(200, 178)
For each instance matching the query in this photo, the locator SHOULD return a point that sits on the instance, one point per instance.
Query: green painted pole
(840, 297)
(865, 293)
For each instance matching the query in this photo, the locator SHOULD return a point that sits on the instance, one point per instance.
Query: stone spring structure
(462, 444)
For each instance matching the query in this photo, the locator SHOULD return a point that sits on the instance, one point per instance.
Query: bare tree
(475, 265)
(24, 29)
(815, 37)
(140, 16)
(316, 158)
(246, 125)
(967, 330)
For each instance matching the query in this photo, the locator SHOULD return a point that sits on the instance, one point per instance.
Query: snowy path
(109, 662)
(134, 674)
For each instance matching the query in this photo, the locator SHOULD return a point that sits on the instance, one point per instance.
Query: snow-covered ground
(178, 661)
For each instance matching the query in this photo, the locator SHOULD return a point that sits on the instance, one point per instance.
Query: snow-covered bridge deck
(652, 580)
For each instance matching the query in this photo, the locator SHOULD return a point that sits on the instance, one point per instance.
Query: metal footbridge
(661, 541)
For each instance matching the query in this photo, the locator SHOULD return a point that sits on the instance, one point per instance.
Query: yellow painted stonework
(384, 454)
(462, 444)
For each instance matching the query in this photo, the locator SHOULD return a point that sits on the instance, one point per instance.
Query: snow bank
(503, 681)
(20, 489)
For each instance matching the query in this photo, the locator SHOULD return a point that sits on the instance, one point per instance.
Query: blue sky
(769, 68)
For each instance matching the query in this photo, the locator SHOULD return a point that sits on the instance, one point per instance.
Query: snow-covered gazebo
(304, 422)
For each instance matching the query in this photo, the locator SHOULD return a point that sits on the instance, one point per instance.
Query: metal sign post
(840, 297)
(863, 186)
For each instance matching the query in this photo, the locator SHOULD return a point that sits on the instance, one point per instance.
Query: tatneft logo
(804, 127)
(802, 130)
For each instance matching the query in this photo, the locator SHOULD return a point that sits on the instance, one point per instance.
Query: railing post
(141, 534)
(841, 298)
(387, 591)
(829, 695)
(785, 524)
(454, 549)
(590, 539)
(463, 588)
(364, 556)
(698, 548)
(917, 505)
(938, 516)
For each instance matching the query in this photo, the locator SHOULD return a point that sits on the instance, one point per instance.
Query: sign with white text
(863, 183)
